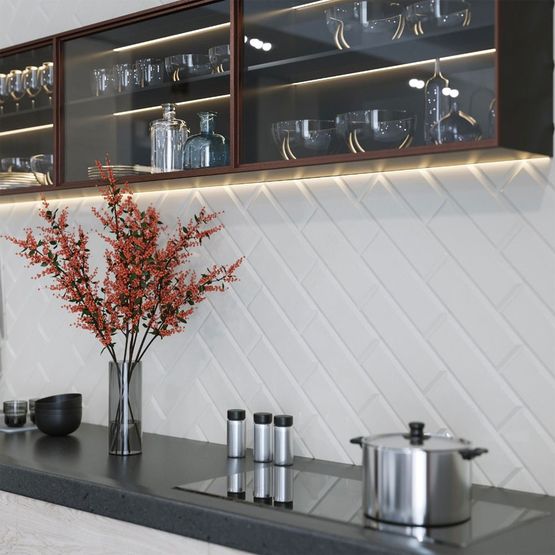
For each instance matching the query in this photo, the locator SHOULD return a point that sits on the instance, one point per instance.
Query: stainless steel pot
(417, 479)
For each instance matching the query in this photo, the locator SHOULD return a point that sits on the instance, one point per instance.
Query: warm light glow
(392, 68)
(310, 4)
(184, 103)
(171, 37)
(26, 130)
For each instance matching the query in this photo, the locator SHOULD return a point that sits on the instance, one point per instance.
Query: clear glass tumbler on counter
(15, 413)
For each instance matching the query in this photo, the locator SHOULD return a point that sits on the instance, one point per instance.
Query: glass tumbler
(15, 413)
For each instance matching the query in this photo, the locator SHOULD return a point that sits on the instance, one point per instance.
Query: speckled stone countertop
(76, 471)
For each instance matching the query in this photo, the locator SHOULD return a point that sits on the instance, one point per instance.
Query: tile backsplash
(365, 302)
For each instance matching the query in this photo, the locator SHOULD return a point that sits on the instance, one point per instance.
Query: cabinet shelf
(393, 55)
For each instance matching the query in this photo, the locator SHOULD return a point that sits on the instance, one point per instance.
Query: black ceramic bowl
(57, 421)
(64, 400)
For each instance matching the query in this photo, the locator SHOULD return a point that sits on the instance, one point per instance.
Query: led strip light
(186, 102)
(26, 130)
(392, 68)
(171, 37)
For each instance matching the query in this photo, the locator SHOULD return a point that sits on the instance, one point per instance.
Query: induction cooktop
(340, 499)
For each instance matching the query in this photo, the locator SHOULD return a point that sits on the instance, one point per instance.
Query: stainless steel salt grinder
(236, 435)
(283, 440)
(262, 437)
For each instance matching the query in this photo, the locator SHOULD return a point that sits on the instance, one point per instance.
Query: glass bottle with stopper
(167, 139)
(206, 149)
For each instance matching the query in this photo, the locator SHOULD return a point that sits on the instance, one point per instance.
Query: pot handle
(469, 454)
(357, 440)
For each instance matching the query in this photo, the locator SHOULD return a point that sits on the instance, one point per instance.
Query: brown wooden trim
(236, 43)
(497, 42)
(57, 98)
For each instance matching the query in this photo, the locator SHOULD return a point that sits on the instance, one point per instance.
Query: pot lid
(416, 439)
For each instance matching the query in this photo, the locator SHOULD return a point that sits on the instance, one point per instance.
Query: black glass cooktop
(336, 498)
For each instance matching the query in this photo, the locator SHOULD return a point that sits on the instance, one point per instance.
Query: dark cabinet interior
(294, 87)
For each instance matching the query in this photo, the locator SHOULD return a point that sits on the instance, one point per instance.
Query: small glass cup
(150, 71)
(15, 413)
(102, 81)
(124, 77)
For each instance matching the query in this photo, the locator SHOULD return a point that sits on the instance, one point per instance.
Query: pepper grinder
(283, 440)
(236, 436)
(262, 437)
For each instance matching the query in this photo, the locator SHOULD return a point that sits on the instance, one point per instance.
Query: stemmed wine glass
(4, 93)
(46, 79)
(15, 86)
(31, 82)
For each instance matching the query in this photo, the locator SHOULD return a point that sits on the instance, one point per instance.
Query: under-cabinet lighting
(184, 103)
(171, 37)
(26, 130)
(310, 4)
(393, 68)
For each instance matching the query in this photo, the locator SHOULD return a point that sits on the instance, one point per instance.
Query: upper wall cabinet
(223, 91)
(26, 118)
(117, 81)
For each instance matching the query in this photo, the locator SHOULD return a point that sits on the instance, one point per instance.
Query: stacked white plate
(17, 179)
(118, 171)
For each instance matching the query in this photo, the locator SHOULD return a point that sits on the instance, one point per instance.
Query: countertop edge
(178, 517)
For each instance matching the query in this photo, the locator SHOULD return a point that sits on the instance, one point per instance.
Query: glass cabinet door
(366, 78)
(154, 95)
(26, 121)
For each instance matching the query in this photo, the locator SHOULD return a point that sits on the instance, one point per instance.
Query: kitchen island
(76, 472)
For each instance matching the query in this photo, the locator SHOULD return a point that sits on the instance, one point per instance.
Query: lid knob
(416, 433)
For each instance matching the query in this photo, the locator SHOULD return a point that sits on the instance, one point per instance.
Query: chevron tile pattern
(365, 301)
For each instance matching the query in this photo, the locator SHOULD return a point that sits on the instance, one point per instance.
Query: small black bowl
(58, 422)
(64, 400)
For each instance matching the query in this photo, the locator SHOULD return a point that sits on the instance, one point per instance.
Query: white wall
(365, 302)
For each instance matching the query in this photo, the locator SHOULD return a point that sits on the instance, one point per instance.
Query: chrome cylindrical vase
(125, 408)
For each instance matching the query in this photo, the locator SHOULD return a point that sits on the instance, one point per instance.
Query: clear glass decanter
(437, 104)
(167, 141)
(455, 127)
(207, 149)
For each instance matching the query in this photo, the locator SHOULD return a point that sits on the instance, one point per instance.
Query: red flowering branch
(147, 292)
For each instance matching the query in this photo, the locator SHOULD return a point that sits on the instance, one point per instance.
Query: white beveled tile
(473, 312)
(473, 373)
(468, 247)
(534, 260)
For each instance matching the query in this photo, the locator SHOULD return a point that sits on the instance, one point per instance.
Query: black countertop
(76, 471)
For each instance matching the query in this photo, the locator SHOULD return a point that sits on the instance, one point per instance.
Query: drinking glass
(15, 86)
(47, 78)
(101, 81)
(4, 93)
(124, 76)
(149, 72)
(31, 82)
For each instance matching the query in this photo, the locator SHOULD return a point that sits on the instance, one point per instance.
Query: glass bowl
(366, 130)
(428, 16)
(15, 164)
(304, 137)
(220, 58)
(181, 66)
(42, 166)
(365, 22)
